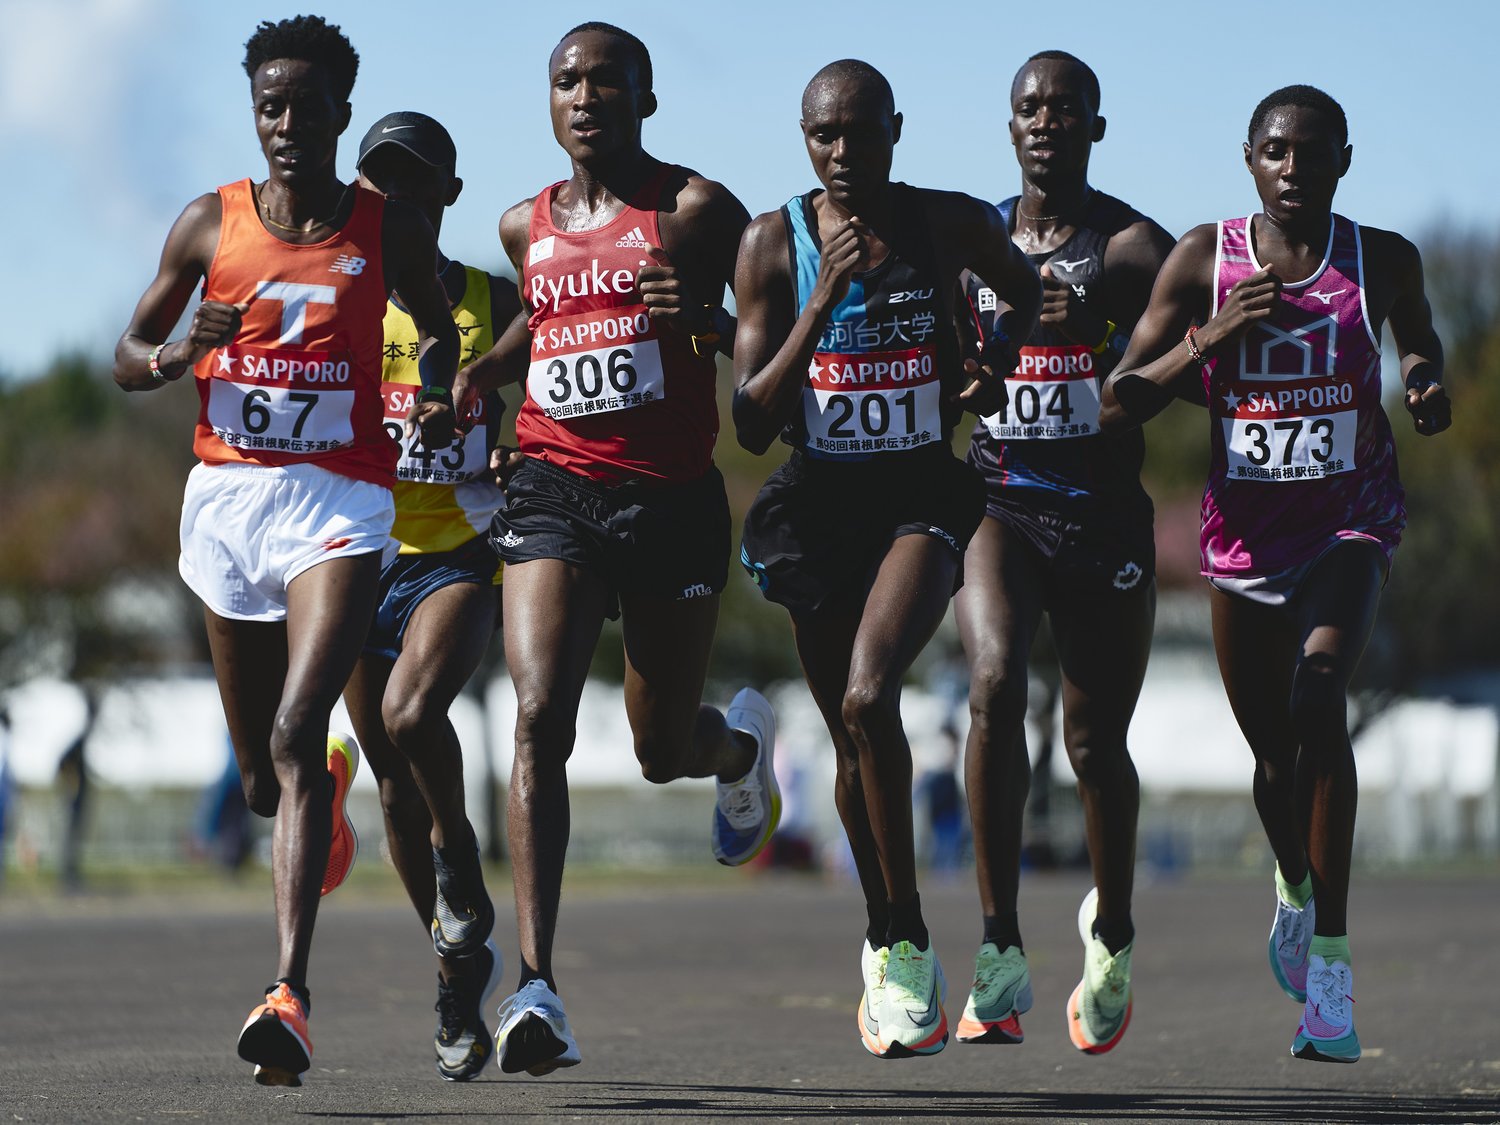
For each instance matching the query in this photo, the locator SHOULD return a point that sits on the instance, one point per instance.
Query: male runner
(1067, 531)
(285, 520)
(618, 509)
(440, 598)
(1282, 314)
(847, 348)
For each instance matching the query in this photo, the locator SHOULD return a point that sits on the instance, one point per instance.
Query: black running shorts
(819, 528)
(1108, 553)
(668, 540)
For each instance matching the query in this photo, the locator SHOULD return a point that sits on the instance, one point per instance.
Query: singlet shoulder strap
(1007, 209)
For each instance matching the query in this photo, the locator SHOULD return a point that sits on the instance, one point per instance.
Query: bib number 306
(597, 381)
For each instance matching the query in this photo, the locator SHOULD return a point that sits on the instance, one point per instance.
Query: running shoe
(748, 810)
(275, 1038)
(911, 1017)
(1291, 937)
(1000, 995)
(1327, 1031)
(872, 963)
(462, 1043)
(1099, 1009)
(534, 1034)
(462, 914)
(343, 764)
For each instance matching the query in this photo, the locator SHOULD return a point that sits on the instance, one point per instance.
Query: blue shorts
(409, 579)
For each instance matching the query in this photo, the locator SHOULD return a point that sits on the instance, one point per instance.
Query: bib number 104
(1031, 402)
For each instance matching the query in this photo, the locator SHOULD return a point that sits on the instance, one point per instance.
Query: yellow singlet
(444, 498)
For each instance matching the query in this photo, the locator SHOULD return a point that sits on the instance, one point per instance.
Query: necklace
(266, 213)
(1050, 218)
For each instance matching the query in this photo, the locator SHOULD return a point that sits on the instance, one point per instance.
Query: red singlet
(610, 394)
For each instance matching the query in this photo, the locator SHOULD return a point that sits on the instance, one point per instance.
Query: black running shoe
(463, 915)
(462, 1043)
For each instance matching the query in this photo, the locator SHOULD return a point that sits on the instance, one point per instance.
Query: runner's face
(398, 174)
(1052, 123)
(298, 119)
(597, 104)
(851, 137)
(1297, 163)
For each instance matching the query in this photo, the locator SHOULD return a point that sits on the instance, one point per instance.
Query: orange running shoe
(275, 1038)
(343, 764)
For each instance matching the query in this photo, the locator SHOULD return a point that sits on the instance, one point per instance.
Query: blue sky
(115, 113)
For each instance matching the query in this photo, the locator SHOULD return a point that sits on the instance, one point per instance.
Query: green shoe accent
(1297, 896)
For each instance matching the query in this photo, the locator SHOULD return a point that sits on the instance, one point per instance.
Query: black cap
(417, 133)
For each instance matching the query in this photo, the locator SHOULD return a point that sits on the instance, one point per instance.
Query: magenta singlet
(1302, 451)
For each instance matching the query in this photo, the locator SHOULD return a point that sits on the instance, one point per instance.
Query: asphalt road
(734, 999)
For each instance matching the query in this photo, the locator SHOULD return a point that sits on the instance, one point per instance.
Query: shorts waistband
(602, 491)
(277, 472)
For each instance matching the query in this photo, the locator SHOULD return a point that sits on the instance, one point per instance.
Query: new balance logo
(347, 264)
(1326, 298)
(635, 239)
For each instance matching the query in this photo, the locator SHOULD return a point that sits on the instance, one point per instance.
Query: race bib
(1293, 432)
(465, 458)
(282, 401)
(872, 402)
(1053, 394)
(595, 363)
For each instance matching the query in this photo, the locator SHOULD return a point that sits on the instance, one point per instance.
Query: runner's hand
(844, 255)
(436, 422)
(986, 393)
(215, 325)
(505, 460)
(1064, 311)
(666, 298)
(1252, 299)
(1429, 407)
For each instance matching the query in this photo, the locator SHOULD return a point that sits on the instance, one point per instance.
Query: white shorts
(248, 530)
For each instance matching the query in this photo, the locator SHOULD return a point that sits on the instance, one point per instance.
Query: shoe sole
(895, 1050)
(344, 835)
(1075, 1025)
(774, 790)
(999, 1032)
(534, 1047)
(1304, 1048)
(278, 1052)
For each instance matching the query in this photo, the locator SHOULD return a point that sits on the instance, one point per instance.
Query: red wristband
(1192, 347)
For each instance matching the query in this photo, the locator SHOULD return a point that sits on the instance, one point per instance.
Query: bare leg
(553, 614)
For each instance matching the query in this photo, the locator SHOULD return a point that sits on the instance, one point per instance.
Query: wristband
(705, 344)
(1109, 335)
(433, 393)
(153, 364)
(1192, 346)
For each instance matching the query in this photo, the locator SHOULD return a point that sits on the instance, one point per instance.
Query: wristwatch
(720, 324)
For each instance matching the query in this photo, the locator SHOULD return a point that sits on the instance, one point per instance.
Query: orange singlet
(301, 381)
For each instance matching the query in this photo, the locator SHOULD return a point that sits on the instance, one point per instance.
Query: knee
(1319, 705)
(870, 705)
(406, 720)
(541, 723)
(997, 694)
(1101, 763)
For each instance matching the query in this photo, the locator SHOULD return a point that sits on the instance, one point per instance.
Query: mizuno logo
(393, 128)
(1063, 264)
(347, 264)
(1326, 298)
(635, 239)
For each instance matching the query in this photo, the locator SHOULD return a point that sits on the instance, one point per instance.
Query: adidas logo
(634, 240)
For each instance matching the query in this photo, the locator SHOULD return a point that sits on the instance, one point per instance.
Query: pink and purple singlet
(1303, 457)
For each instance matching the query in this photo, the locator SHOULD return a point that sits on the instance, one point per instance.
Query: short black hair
(642, 56)
(1299, 97)
(859, 72)
(310, 38)
(1090, 79)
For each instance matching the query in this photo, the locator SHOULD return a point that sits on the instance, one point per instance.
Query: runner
(1303, 509)
(618, 510)
(285, 520)
(847, 349)
(440, 598)
(1067, 531)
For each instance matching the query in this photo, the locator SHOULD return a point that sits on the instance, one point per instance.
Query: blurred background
(114, 762)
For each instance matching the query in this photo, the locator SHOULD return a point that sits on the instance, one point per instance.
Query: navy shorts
(668, 540)
(408, 579)
(1107, 553)
(819, 528)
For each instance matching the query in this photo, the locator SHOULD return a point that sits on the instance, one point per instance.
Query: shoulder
(702, 206)
(1387, 250)
(765, 241)
(1132, 236)
(515, 226)
(955, 204)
